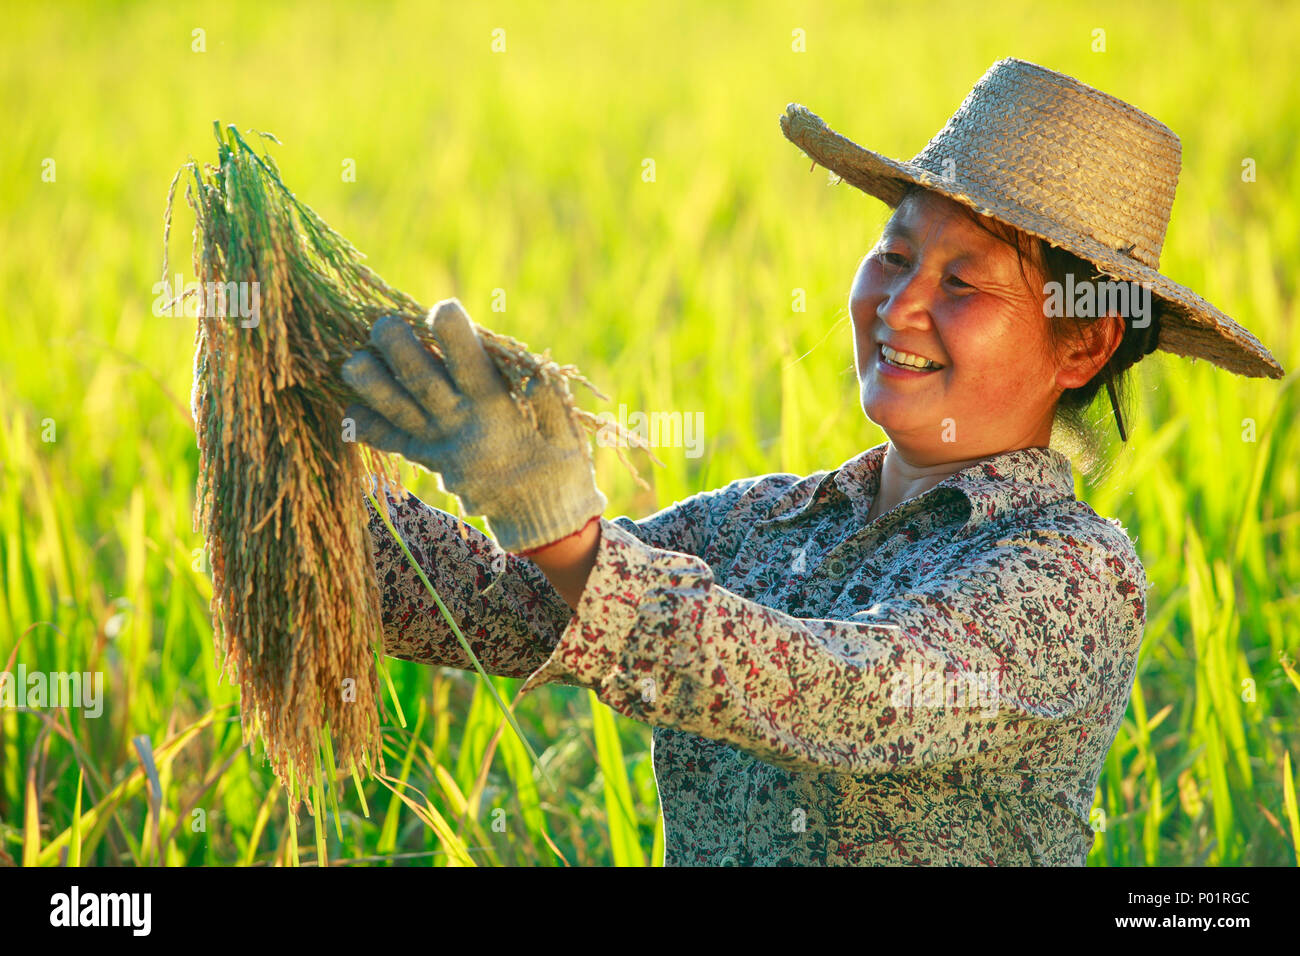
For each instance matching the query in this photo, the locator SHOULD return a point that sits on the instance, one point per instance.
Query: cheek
(865, 295)
(1004, 360)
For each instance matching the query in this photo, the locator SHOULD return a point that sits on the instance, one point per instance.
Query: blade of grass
(520, 772)
(388, 831)
(1291, 673)
(318, 817)
(31, 806)
(460, 806)
(331, 790)
(259, 824)
(99, 814)
(144, 748)
(455, 847)
(361, 793)
(289, 846)
(388, 682)
(74, 847)
(624, 837)
(455, 629)
(1289, 802)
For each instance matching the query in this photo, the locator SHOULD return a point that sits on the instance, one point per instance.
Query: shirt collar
(994, 486)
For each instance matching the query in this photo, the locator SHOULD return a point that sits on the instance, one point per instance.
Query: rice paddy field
(609, 182)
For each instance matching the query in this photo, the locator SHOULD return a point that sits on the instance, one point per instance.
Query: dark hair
(1057, 264)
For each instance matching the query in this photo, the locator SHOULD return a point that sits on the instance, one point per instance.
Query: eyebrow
(896, 230)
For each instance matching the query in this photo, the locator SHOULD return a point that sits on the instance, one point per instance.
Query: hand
(455, 417)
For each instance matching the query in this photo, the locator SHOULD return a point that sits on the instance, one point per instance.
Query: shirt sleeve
(1040, 628)
(703, 524)
(508, 610)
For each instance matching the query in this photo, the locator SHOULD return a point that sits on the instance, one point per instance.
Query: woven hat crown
(1064, 151)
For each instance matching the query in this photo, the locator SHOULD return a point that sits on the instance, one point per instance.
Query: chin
(891, 425)
(892, 415)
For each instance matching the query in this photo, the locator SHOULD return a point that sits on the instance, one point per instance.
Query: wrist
(563, 549)
(567, 563)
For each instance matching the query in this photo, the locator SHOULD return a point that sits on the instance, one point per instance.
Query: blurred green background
(522, 170)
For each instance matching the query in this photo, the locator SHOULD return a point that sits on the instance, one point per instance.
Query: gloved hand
(455, 417)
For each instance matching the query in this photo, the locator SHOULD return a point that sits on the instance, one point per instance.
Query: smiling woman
(805, 646)
(1043, 266)
(949, 295)
(1032, 370)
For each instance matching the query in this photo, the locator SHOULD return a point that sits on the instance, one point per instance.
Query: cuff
(549, 516)
(599, 636)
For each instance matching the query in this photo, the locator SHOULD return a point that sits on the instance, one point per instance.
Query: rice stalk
(296, 604)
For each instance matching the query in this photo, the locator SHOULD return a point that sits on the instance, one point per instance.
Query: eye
(959, 282)
(894, 259)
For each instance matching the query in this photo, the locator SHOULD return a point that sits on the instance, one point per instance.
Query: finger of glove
(463, 471)
(553, 419)
(470, 366)
(372, 380)
(417, 369)
(377, 431)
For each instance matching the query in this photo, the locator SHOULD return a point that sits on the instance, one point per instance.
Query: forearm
(684, 526)
(568, 563)
(658, 640)
(503, 604)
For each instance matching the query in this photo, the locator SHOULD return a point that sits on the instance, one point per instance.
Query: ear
(1089, 350)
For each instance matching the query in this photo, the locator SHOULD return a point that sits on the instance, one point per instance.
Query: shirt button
(681, 656)
(728, 860)
(835, 568)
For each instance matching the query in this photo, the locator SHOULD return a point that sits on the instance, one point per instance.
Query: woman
(921, 656)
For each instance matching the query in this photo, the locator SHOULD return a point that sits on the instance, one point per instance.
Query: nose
(906, 302)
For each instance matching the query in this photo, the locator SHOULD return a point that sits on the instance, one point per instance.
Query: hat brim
(1189, 325)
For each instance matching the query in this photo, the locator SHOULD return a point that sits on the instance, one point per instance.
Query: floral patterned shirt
(937, 686)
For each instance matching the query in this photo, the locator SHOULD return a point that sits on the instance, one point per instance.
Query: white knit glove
(455, 417)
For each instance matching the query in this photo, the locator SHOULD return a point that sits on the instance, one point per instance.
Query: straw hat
(1068, 163)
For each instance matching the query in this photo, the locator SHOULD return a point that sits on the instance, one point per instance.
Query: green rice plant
(624, 839)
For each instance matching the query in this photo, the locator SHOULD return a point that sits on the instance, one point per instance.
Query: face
(937, 287)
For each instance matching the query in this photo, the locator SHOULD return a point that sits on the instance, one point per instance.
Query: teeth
(907, 358)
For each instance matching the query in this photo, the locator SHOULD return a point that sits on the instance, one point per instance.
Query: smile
(906, 360)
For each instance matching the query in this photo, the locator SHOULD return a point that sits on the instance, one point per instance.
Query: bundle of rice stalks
(296, 605)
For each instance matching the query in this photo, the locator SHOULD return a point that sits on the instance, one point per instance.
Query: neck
(900, 479)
